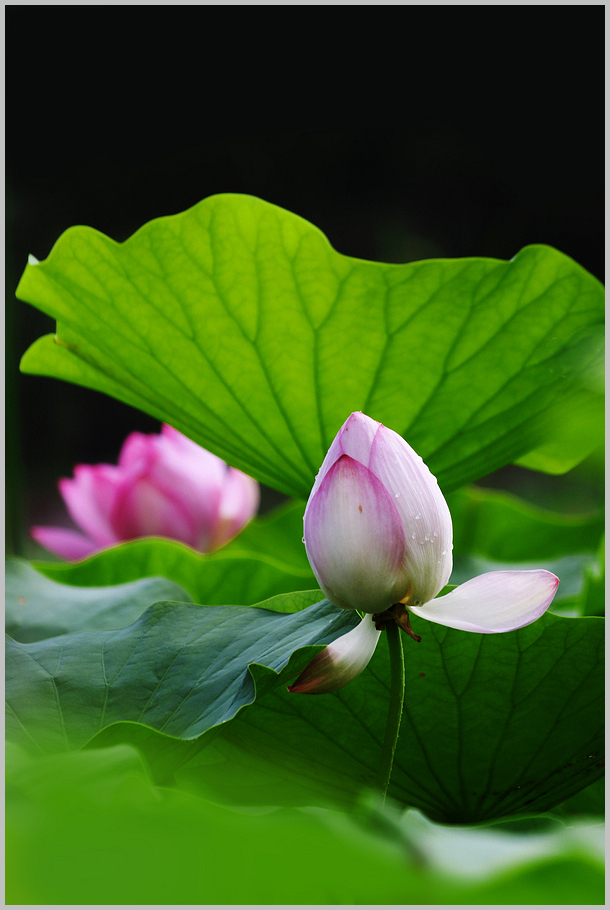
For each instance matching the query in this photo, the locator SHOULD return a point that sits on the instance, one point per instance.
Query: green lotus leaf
(240, 325)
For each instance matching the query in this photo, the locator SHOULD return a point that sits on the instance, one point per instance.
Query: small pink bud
(377, 527)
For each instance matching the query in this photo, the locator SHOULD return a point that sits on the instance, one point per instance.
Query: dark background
(516, 158)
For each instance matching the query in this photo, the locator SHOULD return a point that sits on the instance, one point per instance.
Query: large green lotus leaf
(69, 815)
(494, 725)
(179, 668)
(228, 576)
(575, 425)
(240, 325)
(37, 607)
(504, 528)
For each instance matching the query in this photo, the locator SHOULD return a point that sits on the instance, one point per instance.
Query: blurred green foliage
(90, 827)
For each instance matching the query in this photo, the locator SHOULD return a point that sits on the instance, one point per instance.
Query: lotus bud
(378, 535)
(377, 527)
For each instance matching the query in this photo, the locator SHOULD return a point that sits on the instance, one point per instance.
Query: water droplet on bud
(417, 517)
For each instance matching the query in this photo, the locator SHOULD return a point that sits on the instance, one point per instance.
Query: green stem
(397, 698)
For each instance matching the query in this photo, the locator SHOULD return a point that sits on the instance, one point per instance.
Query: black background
(441, 131)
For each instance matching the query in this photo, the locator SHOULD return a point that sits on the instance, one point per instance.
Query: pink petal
(239, 502)
(137, 447)
(355, 539)
(193, 477)
(90, 497)
(493, 602)
(171, 487)
(422, 508)
(141, 509)
(354, 439)
(63, 542)
(340, 662)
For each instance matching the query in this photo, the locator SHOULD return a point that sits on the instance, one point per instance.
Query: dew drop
(436, 533)
(413, 536)
(396, 495)
(302, 540)
(417, 517)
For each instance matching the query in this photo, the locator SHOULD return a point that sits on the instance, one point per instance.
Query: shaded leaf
(37, 608)
(505, 528)
(180, 669)
(494, 725)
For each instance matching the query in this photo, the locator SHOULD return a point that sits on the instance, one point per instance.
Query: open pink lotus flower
(378, 533)
(164, 485)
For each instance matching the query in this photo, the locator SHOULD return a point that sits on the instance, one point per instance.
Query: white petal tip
(340, 662)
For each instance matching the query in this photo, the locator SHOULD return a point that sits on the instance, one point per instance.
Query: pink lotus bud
(378, 533)
(377, 527)
(164, 485)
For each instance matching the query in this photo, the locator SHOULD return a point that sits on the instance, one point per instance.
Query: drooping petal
(239, 501)
(354, 439)
(63, 542)
(355, 540)
(340, 662)
(90, 497)
(423, 510)
(493, 602)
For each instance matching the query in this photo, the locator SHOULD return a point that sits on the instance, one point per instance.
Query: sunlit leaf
(239, 324)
